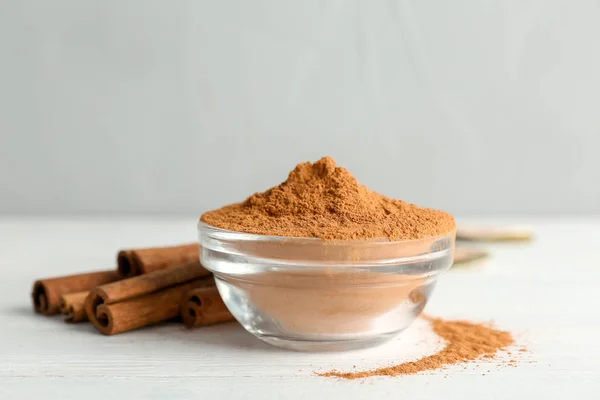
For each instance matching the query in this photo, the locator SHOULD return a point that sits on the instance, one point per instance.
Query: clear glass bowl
(311, 294)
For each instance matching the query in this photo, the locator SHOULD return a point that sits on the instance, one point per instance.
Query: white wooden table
(546, 293)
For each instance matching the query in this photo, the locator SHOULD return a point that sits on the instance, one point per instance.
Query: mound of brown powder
(325, 201)
(466, 341)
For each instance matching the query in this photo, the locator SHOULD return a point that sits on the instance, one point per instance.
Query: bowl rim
(220, 233)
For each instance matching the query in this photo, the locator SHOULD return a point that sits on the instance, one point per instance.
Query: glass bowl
(312, 294)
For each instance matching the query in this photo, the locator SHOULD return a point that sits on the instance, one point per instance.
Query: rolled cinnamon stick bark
(135, 291)
(494, 233)
(73, 306)
(142, 311)
(204, 306)
(142, 261)
(466, 255)
(47, 292)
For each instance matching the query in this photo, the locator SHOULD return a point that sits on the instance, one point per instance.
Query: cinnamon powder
(466, 341)
(323, 200)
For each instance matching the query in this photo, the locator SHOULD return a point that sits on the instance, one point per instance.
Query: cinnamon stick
(142, 311)
(138, 288)
(142, 261)
(466, 255)
(204, 306)
(73, 306)
(46, 293)
(494, 233)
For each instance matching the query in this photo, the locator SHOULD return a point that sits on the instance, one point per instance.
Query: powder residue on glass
(323, 200)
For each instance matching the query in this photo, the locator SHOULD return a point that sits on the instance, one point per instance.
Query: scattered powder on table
(465, 341)
(325, 201)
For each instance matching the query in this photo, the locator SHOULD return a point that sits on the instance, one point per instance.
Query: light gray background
(175, 107)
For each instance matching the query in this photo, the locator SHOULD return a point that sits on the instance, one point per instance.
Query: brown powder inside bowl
(325, 201)
(466, 341)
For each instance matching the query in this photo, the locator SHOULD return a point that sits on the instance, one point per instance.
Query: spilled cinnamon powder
(465, 341)
(323, 200)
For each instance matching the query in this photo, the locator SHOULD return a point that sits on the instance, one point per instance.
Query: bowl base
(298, 344)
